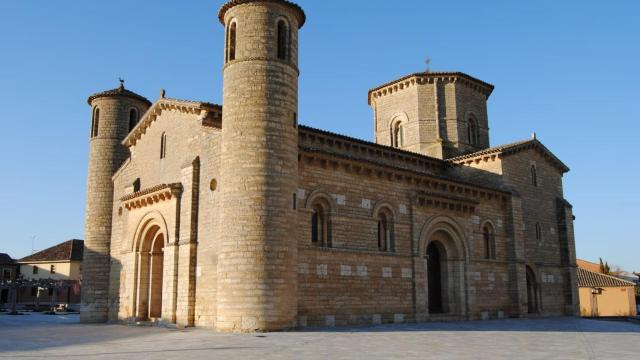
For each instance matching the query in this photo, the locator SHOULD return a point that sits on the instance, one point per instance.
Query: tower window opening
(163, 146)
(472, 131)
(534, 176)
(136, 185)
(283, 40)
(95, 122)
(397, 135)
(538, 232)
(231, 42)
(133, 118)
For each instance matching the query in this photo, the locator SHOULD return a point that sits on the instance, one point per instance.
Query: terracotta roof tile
(119, 91)
(511, 148)
(588, 278)
(68, 250)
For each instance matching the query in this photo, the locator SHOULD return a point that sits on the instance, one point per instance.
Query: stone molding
(205, 110)
(510, 149)
(265, 59)
(347, 144)
(447, 202)
(295, 7)
(411, 177)
(151, 196)
(430, 78)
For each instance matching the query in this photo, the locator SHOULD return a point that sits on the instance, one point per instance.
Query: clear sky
(565, 69)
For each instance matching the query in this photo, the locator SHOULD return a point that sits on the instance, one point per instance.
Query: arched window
(472, 131)
(163, 146)
(231, 42)
(538, 232)
(534, 176)
(95, 122)
(385, 232)
(320, 225)
(397, 136)
(283, 40)
(133, 118)
(489, 242)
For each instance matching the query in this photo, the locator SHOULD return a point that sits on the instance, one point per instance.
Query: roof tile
(68, 250)
(588, 278)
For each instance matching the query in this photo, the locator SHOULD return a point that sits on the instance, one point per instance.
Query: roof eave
(489, 87)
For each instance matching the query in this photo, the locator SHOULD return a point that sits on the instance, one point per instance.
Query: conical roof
(119, 91)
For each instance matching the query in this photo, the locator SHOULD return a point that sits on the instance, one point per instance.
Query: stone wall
(189, 218)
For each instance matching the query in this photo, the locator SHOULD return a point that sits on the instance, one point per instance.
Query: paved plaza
(62, 337)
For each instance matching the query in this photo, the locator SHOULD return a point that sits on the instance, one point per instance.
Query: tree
(604, 267)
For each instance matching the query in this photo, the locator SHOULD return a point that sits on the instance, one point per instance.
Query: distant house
(605, 295)
(59, 262)
(8, 271)
(588, 265)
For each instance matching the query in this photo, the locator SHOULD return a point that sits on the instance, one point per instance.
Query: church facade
(237, 218)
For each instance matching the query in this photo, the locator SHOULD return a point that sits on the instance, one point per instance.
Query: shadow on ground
(560, 324)
(38, 332)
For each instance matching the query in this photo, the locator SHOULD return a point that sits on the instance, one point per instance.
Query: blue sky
(565, 69)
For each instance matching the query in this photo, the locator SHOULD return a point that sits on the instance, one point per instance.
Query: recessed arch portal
(149, 257)
(445, 254)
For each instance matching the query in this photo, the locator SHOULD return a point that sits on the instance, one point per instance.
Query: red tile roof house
(605, 295)
(60, 262)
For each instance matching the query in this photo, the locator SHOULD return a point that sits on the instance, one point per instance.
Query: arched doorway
(532, 292)
(436, 277)
(445, 268)
(150, 256)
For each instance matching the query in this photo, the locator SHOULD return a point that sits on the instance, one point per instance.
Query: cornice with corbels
(430, 78)
(152, 195)
(446, 202)
(427, 183)
(206, 114)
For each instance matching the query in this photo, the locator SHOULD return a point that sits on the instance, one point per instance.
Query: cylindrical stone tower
(114, 113)
(257, 283)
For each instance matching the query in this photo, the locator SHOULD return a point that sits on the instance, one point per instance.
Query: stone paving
(52, 337)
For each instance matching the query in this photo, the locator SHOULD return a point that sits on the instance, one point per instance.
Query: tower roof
(119, 91)
(421, 77)
(228, 5)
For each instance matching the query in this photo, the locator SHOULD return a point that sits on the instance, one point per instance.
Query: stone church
(238, 218)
